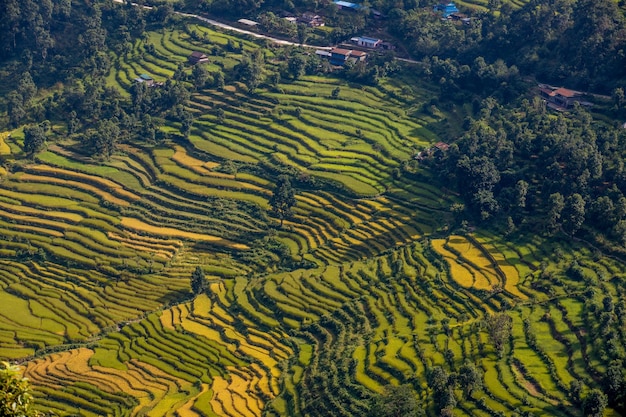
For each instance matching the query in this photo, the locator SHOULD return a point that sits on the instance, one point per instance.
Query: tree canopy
(15, 397)
(198, 281)
(283, 198)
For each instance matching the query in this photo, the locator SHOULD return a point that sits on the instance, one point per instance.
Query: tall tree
(27, 88)
(573, 213)
(470, 378)
(556, 205)
(200, 75)
(34, 139)
(15, 108)
(499, 329)
(104, 139)
(250, 70)
(283, 198)
(521, 190)
(303, 33)
(615, 383)
(198, 281)
(297, 65)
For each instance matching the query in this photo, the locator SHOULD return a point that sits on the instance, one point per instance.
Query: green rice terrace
(362, 287)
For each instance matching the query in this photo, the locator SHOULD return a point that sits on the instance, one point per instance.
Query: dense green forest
(266, 234)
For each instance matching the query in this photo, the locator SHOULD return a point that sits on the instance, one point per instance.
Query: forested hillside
(199, 222)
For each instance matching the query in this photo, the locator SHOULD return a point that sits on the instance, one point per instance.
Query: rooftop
(247, 22)
(565, 92)
(322, 52)
(368, 39)
(340, 51)
(342, 3)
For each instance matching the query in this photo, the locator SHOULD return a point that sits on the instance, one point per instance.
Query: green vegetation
(340, 262)
(15, 397)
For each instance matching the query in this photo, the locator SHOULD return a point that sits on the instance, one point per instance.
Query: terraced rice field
(483, 5)
(96, 260)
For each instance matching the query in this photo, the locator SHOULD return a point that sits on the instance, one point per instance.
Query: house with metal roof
(339, 56)
(447, 9)
(145, 78)
(367, 42)
(346, 5)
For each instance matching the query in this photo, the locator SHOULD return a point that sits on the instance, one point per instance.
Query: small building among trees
(346, 5)
(446, 8)
(366, 42)
(339, 56)
(311, 20)
(197, 58)
(145, 78)
(560, 98)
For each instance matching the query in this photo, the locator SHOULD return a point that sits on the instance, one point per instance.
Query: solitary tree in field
(198, 281)
(104, 139)
(499, 328)
(200, 75)
(283, 199)
(15, 398)
(34, 139)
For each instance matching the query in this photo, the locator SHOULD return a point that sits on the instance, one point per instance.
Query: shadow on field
(175, 297)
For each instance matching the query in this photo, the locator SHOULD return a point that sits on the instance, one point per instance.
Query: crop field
(483, 5)
(368, 287)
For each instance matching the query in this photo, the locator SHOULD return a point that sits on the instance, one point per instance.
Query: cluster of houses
(309, 19)
(340, 56)
(352, 52)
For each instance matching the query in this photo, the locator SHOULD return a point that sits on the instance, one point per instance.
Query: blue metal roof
(447, 9)
(346, 4)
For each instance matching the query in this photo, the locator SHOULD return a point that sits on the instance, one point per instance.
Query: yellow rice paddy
(141, 226)
(459, 272)
(4, 148)
(485, 277)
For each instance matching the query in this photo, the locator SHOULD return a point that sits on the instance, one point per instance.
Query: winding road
(235, 29)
